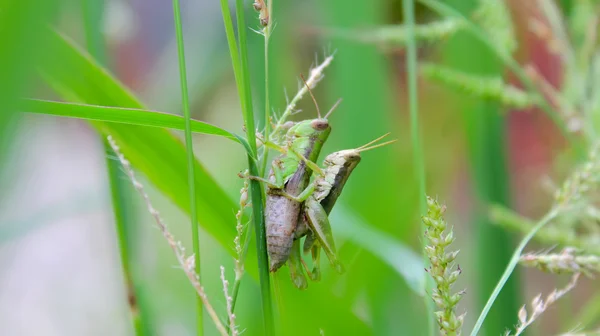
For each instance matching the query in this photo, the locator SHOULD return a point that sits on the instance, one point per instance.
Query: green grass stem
(408, 7)
(255, 187)
(239, 60)
(514, 261)
(267, 34)
(190, 155)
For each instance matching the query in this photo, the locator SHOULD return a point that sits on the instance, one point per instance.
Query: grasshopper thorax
(319, 124)
(308, 128)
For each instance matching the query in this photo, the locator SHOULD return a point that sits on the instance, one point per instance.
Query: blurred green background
(60, 270)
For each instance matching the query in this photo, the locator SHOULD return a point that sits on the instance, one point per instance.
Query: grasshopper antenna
(373, 141)
(311, 95)
(364, 149)
(333, 108)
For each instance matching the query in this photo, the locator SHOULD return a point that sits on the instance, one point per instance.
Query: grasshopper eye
(319, 124)
(354, 156)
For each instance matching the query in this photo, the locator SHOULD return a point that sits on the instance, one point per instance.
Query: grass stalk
(267, 36)
(255, 187)
(408, 7)
(120, 200)
(190, 156)
(239, 60)
(511, 267)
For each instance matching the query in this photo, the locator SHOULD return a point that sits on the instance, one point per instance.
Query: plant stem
(267, 35)
(255, 186)
(239, 60)
(510, 268)
(418, 161)
(120, 200)
(190, 156)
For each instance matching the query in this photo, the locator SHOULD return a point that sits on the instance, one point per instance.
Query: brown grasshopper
(290, 174)
(319, 198)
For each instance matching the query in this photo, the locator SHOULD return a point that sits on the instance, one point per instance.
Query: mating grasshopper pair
(297, 207)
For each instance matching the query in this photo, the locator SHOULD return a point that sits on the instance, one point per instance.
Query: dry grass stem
(542, 31)
(572, 119)
(565, 262)
(582, 333)
(239, 250)
(187, 263)
(315, 75)
(539, 306)
(229, 300)
(582, 181)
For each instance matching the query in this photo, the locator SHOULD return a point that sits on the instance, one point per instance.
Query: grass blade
(255, 187)
(190, 157)
(510, 268)
(121, 115)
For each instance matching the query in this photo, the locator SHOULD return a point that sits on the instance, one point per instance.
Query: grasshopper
(319, 198)
(290, 174)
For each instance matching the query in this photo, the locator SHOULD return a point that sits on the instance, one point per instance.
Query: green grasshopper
(319, 198)
(290, 174)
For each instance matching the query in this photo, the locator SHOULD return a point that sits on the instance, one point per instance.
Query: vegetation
(450, 80)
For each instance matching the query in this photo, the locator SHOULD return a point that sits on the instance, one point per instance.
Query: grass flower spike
(442, 268)
(539, 306)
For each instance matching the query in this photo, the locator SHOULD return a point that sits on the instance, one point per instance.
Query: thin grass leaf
(242, 77)
(122, 115)
(185, 101)
(510, 268)
(408, 7)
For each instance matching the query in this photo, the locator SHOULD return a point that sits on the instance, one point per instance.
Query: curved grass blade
(131, 116)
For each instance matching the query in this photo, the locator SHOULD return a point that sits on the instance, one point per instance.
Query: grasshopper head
(343, 157)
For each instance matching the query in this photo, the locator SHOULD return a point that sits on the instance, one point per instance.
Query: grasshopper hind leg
(295, 264)
(316, 258)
